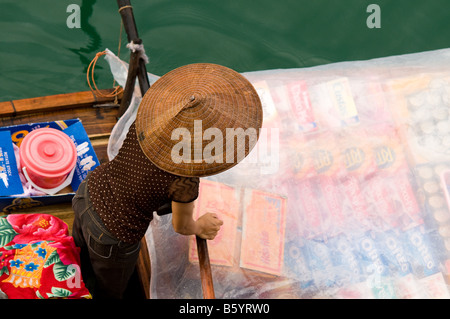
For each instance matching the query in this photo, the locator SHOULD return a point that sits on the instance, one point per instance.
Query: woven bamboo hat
(199, 120)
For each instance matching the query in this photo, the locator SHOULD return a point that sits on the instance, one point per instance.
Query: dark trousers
(106, 262)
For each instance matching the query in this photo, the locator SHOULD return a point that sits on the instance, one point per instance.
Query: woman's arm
(206, 227)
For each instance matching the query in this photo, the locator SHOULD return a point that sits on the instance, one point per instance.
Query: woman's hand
(206, 226)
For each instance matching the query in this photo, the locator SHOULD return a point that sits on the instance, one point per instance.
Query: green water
(40, 55)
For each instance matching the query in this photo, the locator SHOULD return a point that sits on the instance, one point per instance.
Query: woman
(115, 203)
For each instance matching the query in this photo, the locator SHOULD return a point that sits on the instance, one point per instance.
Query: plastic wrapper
(346, 194)
(119, 69)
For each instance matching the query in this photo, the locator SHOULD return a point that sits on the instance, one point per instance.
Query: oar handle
(205, 269)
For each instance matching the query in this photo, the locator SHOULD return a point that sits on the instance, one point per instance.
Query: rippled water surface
(40, 55)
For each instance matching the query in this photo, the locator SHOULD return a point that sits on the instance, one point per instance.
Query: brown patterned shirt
(127, 190)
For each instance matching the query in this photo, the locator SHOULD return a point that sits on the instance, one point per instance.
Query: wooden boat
(98, 115)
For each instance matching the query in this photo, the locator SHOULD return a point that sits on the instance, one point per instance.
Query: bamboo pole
(137, 64)
(205, 269)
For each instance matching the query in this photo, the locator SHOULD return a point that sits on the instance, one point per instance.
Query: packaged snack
(335, 104)
(328, 169)
(295, 263)
(263, 232)
(222, 200)
(394, 192)
(420, 251)
(435, 287)
(271, 117)
(408, 287)
(375, 267)
(301, 106)
(344, 257)
(359, 167)
(319, 262)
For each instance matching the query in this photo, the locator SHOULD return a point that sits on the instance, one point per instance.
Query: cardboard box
(10, 200)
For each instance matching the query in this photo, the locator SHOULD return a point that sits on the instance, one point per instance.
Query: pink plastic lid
(48, 152)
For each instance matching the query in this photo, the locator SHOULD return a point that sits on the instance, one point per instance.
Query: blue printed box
(12, 197)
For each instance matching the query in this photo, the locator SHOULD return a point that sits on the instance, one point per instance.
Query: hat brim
(199, 120)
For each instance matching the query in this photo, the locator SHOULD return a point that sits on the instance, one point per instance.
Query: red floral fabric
(38, 258)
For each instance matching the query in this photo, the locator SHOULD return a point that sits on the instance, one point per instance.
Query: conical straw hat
(199, 120)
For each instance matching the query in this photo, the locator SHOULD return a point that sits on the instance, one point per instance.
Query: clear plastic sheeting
(119, 69)
(346, 194)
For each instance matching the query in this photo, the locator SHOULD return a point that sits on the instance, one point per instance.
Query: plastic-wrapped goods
(346, 194)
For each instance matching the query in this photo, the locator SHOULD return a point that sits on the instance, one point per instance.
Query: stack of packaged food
(346, 194)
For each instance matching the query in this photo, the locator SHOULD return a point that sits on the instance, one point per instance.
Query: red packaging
(328, 193)
(301, 106)
(391, 188)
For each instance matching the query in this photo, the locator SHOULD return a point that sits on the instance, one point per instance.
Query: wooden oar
(205, 269)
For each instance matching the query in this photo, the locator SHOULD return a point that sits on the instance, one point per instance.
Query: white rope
(140, 48)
